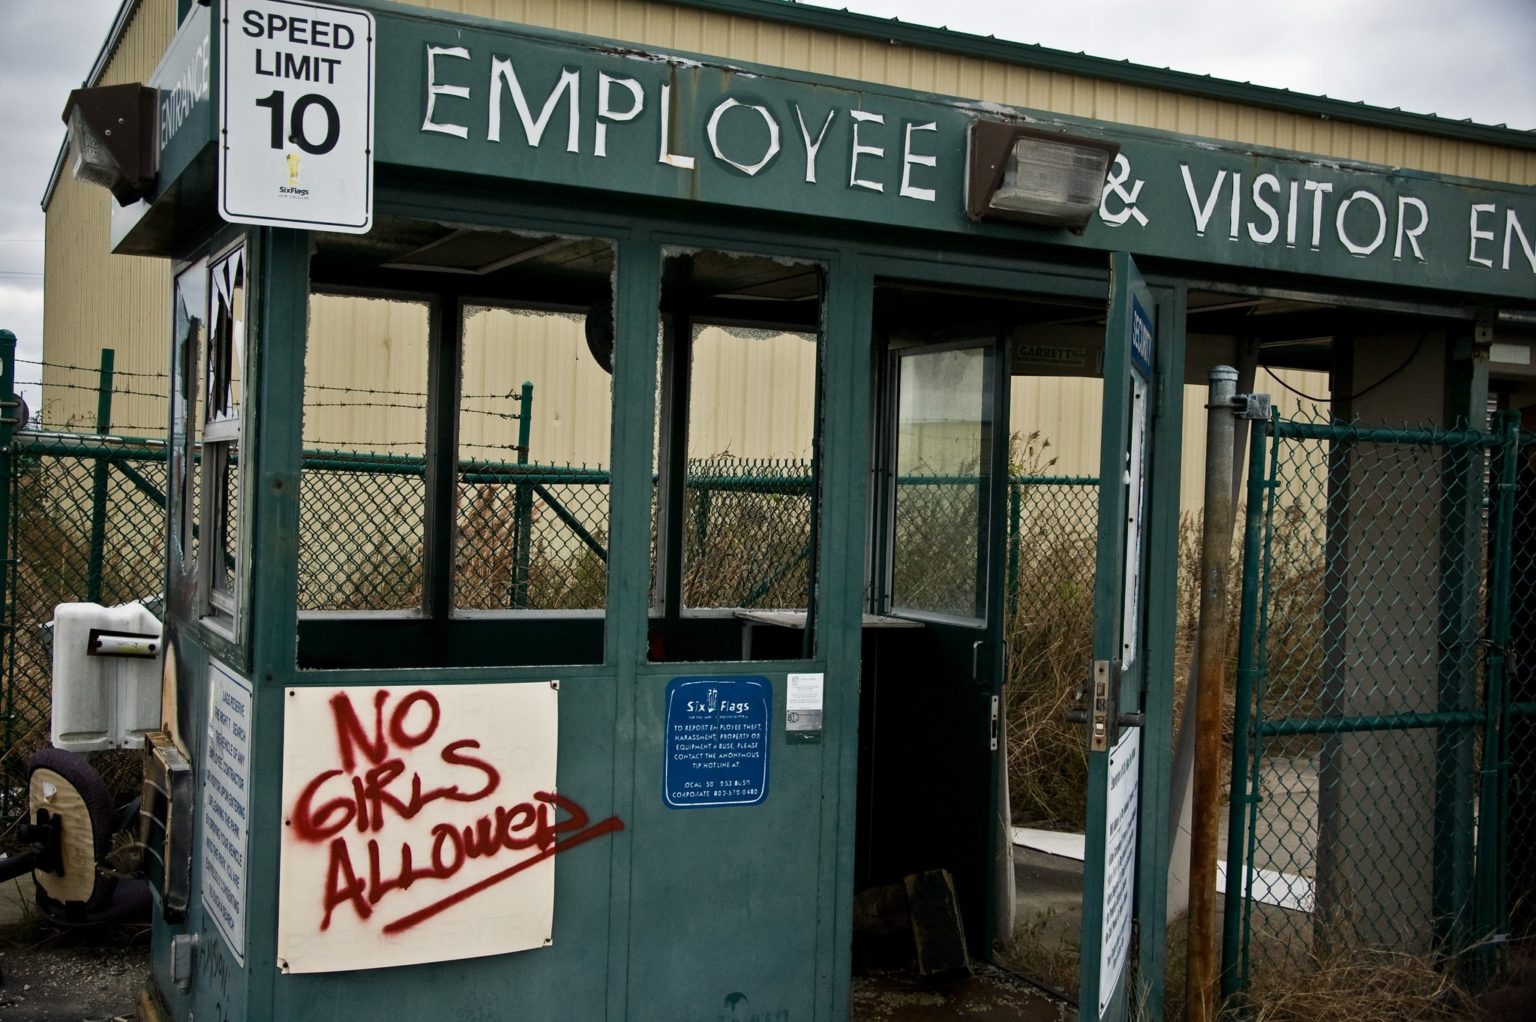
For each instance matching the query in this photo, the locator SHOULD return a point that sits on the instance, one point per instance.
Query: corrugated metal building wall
(93, 299)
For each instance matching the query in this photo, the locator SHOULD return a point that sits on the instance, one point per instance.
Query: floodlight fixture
(112, 137)
(1035, 175)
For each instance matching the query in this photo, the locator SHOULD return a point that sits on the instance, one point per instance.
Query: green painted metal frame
(1247, 695)
(98, 536)
(1490, 896)
(1154, 670)
(634, 395)
(275, 457)
(10, 405)
(1461, 539)
(1159, 629)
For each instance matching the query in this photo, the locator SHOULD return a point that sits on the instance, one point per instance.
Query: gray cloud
(1467, 60)
(46, 49)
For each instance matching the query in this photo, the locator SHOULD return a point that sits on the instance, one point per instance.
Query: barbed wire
(116, 391)
(354, 444)
(364, 390)
(332, 388)
(363, 404)
(90, 369)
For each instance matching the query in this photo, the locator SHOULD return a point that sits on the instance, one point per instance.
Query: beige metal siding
(93, 299)
(366, 372)
(752, 399)
(365, 369)
(1066, 410)
(571, 423)
(663, 27)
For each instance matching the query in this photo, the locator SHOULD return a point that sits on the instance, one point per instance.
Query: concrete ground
(52, 976)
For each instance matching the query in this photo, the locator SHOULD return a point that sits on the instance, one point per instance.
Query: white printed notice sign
(1119, 862)
(226, 804)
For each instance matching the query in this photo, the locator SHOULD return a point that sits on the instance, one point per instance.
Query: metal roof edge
(946, 40)
(125, 13)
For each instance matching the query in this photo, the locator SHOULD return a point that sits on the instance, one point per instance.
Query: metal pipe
(1490, 910)
(12, 797)
(1215, 554)
(96, 561)
(1182, 775)
(1015, 526)
(522, 541)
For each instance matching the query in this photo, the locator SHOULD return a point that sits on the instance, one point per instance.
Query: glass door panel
(942, 481)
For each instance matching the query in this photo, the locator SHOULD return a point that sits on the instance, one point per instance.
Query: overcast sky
(1470, 59)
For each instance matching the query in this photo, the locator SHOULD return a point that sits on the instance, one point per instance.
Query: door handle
(1102, 712)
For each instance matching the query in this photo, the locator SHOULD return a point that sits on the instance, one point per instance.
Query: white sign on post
(227, 803)
(296, 115)
(1119, 863)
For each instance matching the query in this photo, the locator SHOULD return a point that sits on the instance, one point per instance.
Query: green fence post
(701, 514)
(1490, 912)
(523, 542)
(1454, 825)
(1251, 664)
(10, 418)
(1015, 526)
(99, 476)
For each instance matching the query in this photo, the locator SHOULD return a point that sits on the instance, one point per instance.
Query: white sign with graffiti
(421, 824)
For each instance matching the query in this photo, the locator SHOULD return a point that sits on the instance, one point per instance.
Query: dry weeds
(1359, 984)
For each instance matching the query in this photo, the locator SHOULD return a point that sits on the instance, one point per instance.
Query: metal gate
(1384, 745)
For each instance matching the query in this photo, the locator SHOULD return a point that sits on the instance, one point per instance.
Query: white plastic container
(106, 685)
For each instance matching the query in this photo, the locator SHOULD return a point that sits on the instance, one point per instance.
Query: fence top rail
(1329, 725)
(87, 444)
(1053, 480)
(705, 474)
(1289, 429)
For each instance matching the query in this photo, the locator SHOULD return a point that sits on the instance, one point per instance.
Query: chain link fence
(1052, 540)
(1372, 787)
(1517, 868)
(88, 523)
(747, 539)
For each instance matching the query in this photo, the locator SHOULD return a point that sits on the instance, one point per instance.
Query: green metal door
(947, 441)
(1113, 695)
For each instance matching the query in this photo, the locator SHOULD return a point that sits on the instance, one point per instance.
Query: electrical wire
(1357, 394)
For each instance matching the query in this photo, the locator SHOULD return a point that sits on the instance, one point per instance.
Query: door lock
(1101, 712)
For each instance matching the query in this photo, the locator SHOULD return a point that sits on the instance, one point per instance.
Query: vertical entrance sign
(1114, 756)
(296, 115)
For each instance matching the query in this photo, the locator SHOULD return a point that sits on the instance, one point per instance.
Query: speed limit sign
(296, 115)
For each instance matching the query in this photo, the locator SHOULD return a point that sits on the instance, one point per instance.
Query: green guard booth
(454, 729)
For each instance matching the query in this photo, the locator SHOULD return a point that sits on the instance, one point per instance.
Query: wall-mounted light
(1036, 176)
(112, 137)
